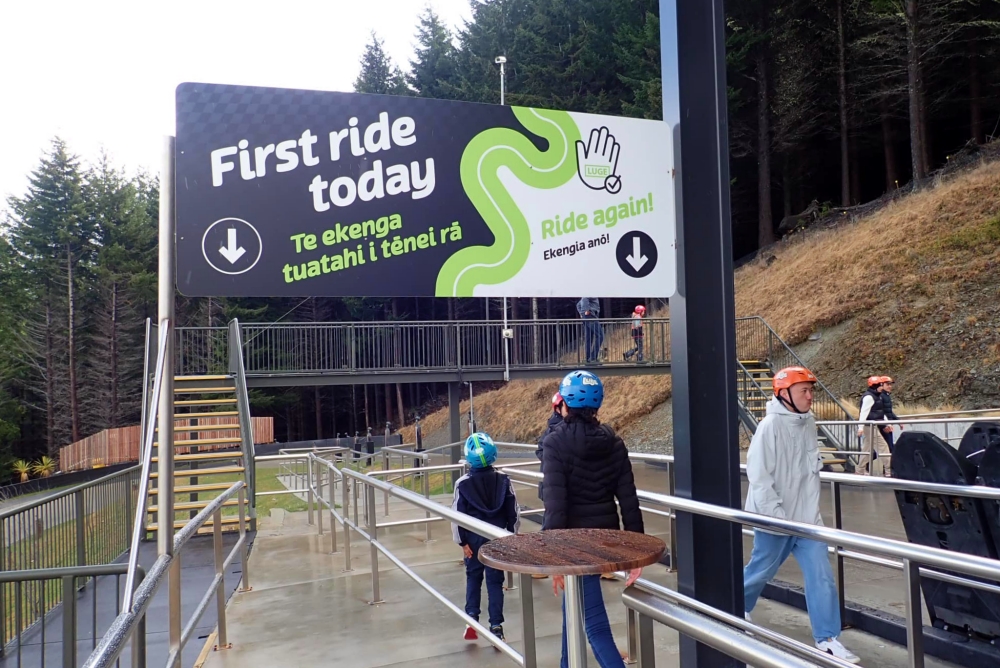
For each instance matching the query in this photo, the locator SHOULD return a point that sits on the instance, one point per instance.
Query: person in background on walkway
(586, 467)
(872, 409)
(637, 315)
(783, 467)
(589, 309)
(887, 386)
(487, 495)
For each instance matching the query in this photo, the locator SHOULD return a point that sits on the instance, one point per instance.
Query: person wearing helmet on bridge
(873, 409)
(487, 495)
(637, 315)
(783, 467)
(586, 468)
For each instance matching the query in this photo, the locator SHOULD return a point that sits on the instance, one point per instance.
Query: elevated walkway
(305, 610)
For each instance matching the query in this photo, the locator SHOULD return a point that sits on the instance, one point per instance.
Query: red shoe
(470, 633)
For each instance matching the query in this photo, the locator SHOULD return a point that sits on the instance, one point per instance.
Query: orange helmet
(556, 400)
(790, 376)
(887, 379)
(875, 380)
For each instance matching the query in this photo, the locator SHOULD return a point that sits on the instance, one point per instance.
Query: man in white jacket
(783, 467)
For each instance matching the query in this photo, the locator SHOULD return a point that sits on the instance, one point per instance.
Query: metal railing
(83, 525)
(237, 370)
(914, 560)
(64, 582)
(755, 340)
(128, 624)
(353, 484)
(395, 346)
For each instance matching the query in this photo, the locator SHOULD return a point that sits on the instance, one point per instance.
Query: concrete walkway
(305, 610)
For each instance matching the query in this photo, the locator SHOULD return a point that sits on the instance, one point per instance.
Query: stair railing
(139, 525)
(757, 340)
(238, 370)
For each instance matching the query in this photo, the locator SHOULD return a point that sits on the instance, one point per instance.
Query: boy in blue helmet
(487, 495)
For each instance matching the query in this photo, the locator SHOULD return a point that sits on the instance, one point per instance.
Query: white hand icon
(597, 162)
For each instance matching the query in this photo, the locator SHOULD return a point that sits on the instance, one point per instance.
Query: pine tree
(434, 72)
(54, 236)
(379, 74)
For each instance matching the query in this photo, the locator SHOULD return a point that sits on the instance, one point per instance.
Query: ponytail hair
(585, 415)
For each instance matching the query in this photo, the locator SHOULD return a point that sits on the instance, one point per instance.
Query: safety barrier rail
(323, 486)
(84, 525)
(128, 624)
(914, 560)
(64, 581)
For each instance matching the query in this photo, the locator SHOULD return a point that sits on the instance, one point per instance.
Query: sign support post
(710, 551)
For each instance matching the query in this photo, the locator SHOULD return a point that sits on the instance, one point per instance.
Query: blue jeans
(769, 552)
(593, 336)
(598, 626)
(474, 572)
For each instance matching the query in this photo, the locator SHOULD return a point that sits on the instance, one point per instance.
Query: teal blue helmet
(480, 451)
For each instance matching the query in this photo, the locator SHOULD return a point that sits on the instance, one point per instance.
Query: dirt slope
(912, 290)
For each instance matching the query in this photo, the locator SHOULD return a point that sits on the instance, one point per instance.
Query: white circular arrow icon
(229, 256)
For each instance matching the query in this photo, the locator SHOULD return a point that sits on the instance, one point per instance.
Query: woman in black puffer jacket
(586, 467)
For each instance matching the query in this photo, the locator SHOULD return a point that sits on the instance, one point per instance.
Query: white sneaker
(746, 616)
(833, 646)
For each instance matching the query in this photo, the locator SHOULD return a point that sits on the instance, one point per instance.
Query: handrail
(903, 421)
(237, 368)
(708, 631)
(138, 525)
(69, 491)
(931, 556)
(112, 643)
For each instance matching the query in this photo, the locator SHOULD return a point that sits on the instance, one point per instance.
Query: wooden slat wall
(121, 445)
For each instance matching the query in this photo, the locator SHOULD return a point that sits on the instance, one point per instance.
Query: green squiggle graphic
(483, 157)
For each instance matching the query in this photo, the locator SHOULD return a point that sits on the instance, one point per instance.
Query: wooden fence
(121, 445)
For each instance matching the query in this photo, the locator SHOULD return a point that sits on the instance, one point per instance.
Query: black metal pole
(702, 313)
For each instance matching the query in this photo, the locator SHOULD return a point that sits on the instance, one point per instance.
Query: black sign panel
(291, 192)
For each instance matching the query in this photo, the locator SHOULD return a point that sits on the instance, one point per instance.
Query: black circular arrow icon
(636, 254)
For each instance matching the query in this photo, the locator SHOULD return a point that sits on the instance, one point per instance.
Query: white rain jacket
(783, 466)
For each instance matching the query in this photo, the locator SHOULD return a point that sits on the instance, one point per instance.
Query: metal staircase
(761, 353)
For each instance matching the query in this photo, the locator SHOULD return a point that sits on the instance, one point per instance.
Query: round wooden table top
(572, 552)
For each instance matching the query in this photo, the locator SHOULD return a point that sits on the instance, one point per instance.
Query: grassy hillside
(912, 290)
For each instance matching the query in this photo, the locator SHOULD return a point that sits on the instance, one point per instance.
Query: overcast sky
(102, 73)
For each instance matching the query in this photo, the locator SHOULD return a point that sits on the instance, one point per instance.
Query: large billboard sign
(292, 192)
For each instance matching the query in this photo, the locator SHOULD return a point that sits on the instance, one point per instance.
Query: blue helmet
(480, 451)
(582, 389)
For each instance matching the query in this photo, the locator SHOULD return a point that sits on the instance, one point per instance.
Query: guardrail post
(914, 615)
(838, 522)
(632, 635)
(345, 509)
(69, 622)
(647, 654)
(331, 496)
(81, 545)
(309, 492)
(385, 467)
(318, 477)
(373, 534)
(220, 572)
(672, 522)
(427, 495)
(528, 621)
(243, 532)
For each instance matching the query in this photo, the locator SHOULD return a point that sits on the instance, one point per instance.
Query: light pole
(501, 61)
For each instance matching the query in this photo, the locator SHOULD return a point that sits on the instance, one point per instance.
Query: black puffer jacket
(586, 467)
(554, 421)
